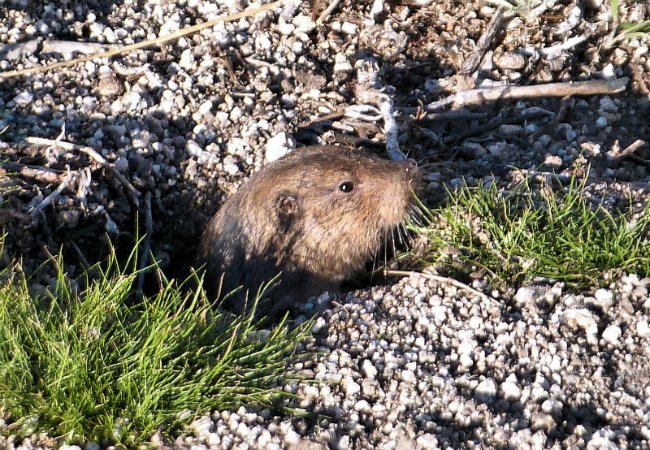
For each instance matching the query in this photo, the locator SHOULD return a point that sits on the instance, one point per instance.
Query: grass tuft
(518, 236)
(91, 364)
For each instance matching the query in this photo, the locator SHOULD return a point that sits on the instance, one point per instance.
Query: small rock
(510, 391)
(368, 369)
(427, 441)
(486, 390)
(611, 334)
(23, 99)
(278, 146)
(510, 61)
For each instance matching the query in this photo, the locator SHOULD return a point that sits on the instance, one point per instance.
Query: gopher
(315, 216)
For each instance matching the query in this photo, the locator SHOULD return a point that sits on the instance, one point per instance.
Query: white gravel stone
(486, 390)
(341, 63)
(604, 298)
(584, 319)
(642, 328)
(276, 147)
(510, 391)
(349, 28)
(368, 369)
(524, 295)
(350, 386)
(427, 441)
(23, 99)
(552, 406)
(408, 377)
(611, 334)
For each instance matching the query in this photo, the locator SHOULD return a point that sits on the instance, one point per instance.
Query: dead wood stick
(53, 195)
(471, 63)
(333, 4)
(131, 191)
(450, 116)
(332, 116)
(36, 172)
(480, 96)
(143, 44)
(628, 152)
(630, 149)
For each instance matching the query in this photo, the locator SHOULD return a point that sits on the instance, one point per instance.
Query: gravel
(414, 365)
(391, 373)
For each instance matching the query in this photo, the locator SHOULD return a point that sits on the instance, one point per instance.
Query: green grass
(92, 364)
(628, 30)
(518, 236)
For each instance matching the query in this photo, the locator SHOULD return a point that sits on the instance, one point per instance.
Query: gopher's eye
(346, 186)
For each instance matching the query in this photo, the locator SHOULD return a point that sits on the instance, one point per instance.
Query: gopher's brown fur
(317, 215)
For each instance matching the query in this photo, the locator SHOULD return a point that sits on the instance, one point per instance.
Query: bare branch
(480, 96)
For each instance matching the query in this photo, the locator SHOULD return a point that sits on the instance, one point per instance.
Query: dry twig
(36, 172)
(471, 63)
(564, 106)
(630, 149)
(628, 152)
(333, 4)
(53, 195)
(480, 96)
(131, 191)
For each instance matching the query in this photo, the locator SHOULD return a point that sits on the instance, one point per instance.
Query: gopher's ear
(287, 203)
(287, 208)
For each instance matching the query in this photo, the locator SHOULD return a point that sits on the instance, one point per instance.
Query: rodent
(317, 215)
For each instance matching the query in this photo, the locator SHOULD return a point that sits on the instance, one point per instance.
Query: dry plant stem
(333, 116)
(333, 4)
(471, 63)
(441, 279)
(555, 49)
(451, 116)
(36, 172)
(146, 246)
(69, 47)
(143, 44)
(481, 96)
(53, 195)
(630, 149)
(50, 257)
(80, 255)
(131, 191)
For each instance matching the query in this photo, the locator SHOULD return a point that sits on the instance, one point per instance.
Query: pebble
(276, 147)
(23, 99)
(486, 390)
(510, 391)
(611, 334)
